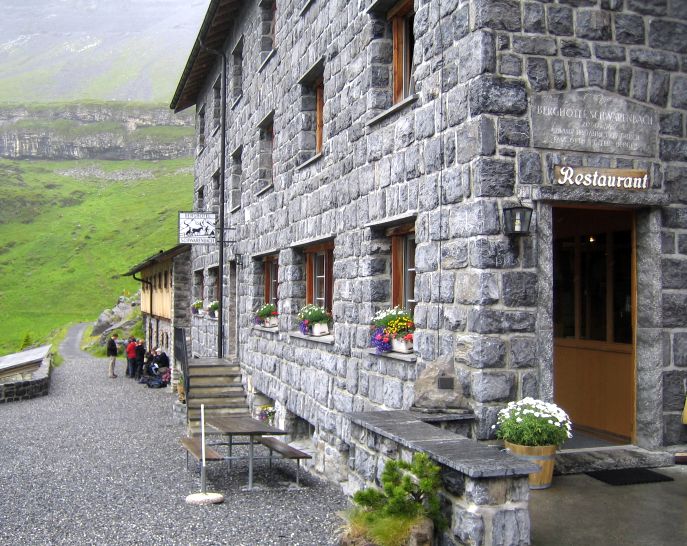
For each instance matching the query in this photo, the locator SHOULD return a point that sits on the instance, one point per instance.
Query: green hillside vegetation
(68, 230)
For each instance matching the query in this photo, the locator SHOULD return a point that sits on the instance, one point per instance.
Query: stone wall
(38, 385)
(449, 158)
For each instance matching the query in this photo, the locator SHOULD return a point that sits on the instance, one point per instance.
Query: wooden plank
(194, 447)
(286, 451)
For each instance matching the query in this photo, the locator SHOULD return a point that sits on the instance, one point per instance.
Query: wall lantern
(516, 220)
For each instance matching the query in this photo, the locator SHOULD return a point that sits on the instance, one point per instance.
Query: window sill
(215, 130)
(236, 101)
(405, 357)
(269, 56)
(271, 329)
(200, 151)
(264, 190)
(391, 111)
(326, 340)
(313, 159)
(305, 7)
(235, 209)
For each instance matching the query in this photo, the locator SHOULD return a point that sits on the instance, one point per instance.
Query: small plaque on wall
(197, 228)
(593, 121)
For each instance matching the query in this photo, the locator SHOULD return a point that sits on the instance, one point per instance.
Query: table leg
(250, 463)
(231, 442)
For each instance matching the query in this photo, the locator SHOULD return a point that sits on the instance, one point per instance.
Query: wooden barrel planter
(542, 456)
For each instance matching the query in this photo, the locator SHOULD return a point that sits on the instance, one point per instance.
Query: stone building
(165, 280)
(365, 154)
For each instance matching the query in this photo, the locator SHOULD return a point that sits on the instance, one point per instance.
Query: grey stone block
(538, 73)
(478, 218)
(679, 92)
(680, 349)
(523, 352)
(476, 137)
(612, 53)
(648, 7)
(520, 289)
(560, 20)
(674, 273)
(495, 95)
(575, 48)
(673, 149)
(674, 305)
(529, 168)
(510, 64)
(488, 253)
(658, 90)
(671, 124)
(501, 15)
(674, 432)
(534, 45)
(476, 55)
(593, 25)
(640, 83)
(493, 386)
(468, 527)
(493, 321)
(674, 390)
(654, 60)
(624, 80)
(513, 131)
(493, 177)
(476, 288)
(560, 78)
(577, 76)
(595, 74)
(511, 527)
(629, 29)
(534, 19)
(454, 254)
(487, 352)
(670, 35)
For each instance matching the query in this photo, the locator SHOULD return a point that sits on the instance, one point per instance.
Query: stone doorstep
(578, 461)
(451, 450)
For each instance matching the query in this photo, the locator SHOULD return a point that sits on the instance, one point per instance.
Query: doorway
(594, 310)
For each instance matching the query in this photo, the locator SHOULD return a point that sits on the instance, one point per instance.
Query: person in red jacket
(131, 357)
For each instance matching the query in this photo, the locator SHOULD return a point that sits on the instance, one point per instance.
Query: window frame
(326, 250)
(319, 114)
(401, 17)
(270, 268)
(402, 267)
(200, 144)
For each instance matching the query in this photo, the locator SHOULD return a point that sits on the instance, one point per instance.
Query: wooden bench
(285, 450)
(193, 445)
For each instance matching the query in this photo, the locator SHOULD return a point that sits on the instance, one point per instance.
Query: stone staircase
(216, 383)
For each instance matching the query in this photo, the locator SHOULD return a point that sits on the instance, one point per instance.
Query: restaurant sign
(602, 179)
(197, 228)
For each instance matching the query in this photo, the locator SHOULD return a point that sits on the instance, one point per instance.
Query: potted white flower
(196, 306)
(314, 320)
(533, 430)
(212, 308)
(267, 315)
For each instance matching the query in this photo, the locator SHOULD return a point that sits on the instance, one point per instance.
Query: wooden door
(594, 319)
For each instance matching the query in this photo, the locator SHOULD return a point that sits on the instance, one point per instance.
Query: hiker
(140, 357)
(112, 353)
(130, 356)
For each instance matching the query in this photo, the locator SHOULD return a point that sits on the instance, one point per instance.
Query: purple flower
(380, 341)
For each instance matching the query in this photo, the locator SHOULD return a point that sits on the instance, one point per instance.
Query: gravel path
(98, 461)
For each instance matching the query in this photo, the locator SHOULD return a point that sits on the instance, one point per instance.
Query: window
(200, 198)
(198, 285)
(216, 103)
(403, 266)
(200, 130)
(215, 201)
(166, 279)
(236, 178)
(266, 149)
(319, 275)
(312, 107)
(237, 70)
(268, 19)
(213, 283)
(401, 17)
(271, 273)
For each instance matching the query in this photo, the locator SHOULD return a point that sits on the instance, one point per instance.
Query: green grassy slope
(69, 229)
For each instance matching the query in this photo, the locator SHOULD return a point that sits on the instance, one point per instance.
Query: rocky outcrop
(107, 131)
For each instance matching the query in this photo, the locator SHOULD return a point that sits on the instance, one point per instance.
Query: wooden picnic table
(242, 425)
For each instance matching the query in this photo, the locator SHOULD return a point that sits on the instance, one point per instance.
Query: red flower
(378, 337)
(305, 321)
(274, 313)
(408, 337)
(386, 340)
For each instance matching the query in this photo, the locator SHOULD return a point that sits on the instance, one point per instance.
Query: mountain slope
(69, 229)
(56, 50)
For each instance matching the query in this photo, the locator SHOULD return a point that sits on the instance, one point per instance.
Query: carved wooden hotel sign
(603, 179)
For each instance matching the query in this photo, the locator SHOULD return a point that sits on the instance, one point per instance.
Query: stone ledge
(447, 448)
(270, 329)
(327, 340)
(405, 357)
(391, 111)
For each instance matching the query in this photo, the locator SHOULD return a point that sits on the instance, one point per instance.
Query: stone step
(578, 461)
(216, 401)
(213, 380)
(194, 413)
(218, 390)
(211, 371)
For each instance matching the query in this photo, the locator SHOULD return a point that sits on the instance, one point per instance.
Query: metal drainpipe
(222, 162)
(143, 281)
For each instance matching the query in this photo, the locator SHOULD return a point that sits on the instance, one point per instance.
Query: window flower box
(392, 330)
(314, 320)
(267, 316)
